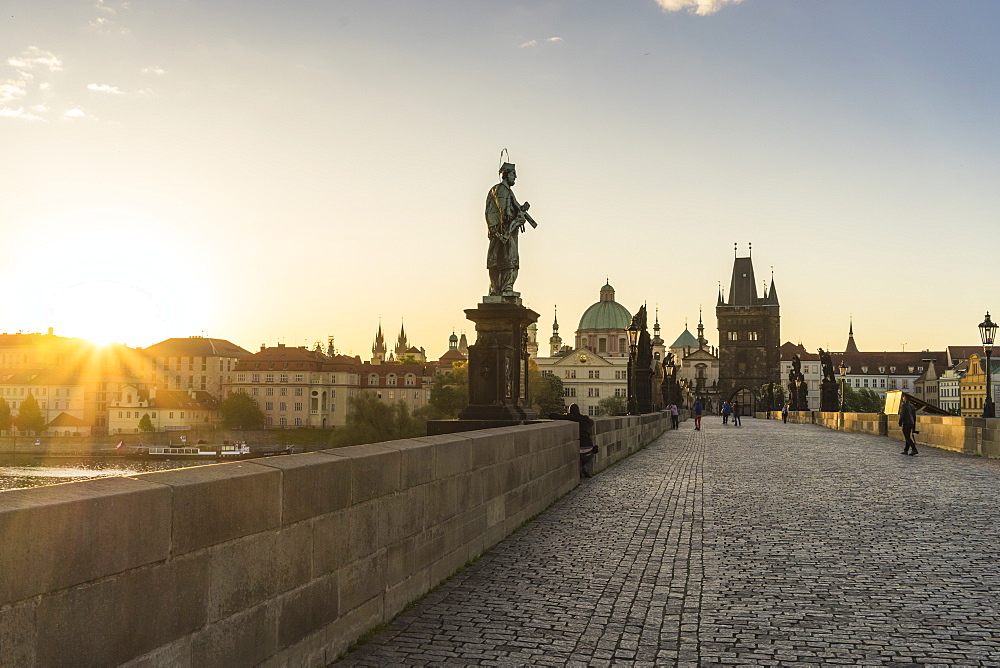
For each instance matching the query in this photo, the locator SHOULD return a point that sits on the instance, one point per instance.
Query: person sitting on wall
(587, 447)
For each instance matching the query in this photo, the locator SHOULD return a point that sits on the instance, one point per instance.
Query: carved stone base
(498, 363)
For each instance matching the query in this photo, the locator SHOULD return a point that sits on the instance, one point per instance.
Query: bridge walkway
(765, 544)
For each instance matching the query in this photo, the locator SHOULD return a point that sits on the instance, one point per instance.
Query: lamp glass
(988, 331)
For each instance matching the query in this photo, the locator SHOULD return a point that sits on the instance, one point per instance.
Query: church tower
(401, 344)
(555, 341)
(749, 337)
(379, 349)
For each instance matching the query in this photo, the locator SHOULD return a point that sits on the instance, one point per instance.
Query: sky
(282, 172)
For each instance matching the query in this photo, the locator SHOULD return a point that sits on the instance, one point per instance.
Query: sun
(114, 277)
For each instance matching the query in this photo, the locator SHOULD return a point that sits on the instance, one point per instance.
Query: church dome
(605, 314)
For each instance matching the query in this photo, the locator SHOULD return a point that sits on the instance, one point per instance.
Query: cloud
(528, 44)
(699, 7)
(104, 88)
(12, 90)
(76, 113)
(19, 113)
(554, 39)
(153, 70)
(32, 57)
(106, 20)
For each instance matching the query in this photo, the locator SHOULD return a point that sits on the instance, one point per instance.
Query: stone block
(375, 470)
(245, 639)
(442, 500)
(176, 655)
(245, 573)
(404, 558)
(453, 454)
(446, 566)
(345, 536)
(491, 446)
(402, 515)
(311, 484)
(361, 581)
(62, 535)
(308, 609)
(351, 625)
(399, 595)
(213, 504)
(416, 464)
(17, 634)
(124, 616)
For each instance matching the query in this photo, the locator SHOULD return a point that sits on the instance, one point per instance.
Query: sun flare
(114, 277)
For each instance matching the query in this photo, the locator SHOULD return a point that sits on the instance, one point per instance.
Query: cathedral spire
(852, 347)
(701, 331)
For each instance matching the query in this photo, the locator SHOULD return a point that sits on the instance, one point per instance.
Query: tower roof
(685, 340)
(852, 347)
(743, 287)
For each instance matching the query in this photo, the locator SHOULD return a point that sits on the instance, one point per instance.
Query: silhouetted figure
(908, 421)
(587, 447)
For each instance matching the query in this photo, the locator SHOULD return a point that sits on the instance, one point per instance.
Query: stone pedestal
(498, 362)
(829, 395)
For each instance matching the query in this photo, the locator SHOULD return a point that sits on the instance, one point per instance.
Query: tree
(613, 406)
(408, 358)
(145, 424)
(864, 400)
(240, 411)
(450, 391)
(6, 420)
(545, 390)
(370, 420)
(29, 415)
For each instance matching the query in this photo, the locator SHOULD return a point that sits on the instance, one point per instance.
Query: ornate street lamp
(843, 369)
(988, 332)
(633, 348)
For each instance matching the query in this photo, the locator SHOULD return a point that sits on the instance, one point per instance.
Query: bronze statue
(504, 219)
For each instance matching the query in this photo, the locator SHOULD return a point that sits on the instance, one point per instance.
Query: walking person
(726, 410)
(674, 416)
(587, 447)
(697, 415)
(736, 414)
(908, 421)
(784, 413)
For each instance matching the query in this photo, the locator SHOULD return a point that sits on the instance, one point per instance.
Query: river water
(18, 472)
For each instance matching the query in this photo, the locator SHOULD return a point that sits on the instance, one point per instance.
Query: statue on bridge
(828, 397)
(505, 217)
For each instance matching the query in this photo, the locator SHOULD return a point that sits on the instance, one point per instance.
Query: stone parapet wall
(280, 561)
(972, 436)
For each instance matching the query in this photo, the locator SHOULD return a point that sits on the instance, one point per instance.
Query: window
(569, 373)
(269, 378)
(593, 410)
(171, 415)
(593, 391)
(283, 378)
(255, 378)
(298, 422)
(596, 373)
(269, 405)
(282, 406)
(283, 421)
(254, 391)
(298, 391)
(569, 391)
(268, 421)
(390, 379)
(268, 391)
(300, 378)
(298, 405)
(751, 336)
(619, 392)
(283, 391)
(241, 378)
(411, 380)
(373, 379)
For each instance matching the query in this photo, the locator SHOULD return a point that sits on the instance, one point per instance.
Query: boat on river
(232, 451)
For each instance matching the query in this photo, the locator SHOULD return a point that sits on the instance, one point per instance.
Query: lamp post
(633, 348)
(843, 380)
(988, 332)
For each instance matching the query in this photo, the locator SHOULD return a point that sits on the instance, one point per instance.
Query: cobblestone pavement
(766, 544)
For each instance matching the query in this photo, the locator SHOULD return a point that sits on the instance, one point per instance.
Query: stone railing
(969, 435)
(285, 560)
